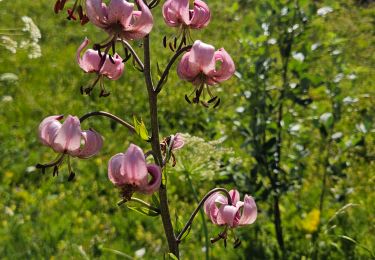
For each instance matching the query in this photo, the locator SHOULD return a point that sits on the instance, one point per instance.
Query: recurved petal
(97, 12)
(90, 59)
(186, 70)
(68, 137)
(249, 212)
(171, 17)
(227, 215)
(201, 15)
(226, 70)
(154, 184)
(235, 196)
(110, 70)
(93, 142)
(48, 129)
(141, 24)
(178, 142)
(120, 11)
(202, 56)
(210, 207)
(134, 166)
(115, 174)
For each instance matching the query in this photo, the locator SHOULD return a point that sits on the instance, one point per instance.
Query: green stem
(155, 143)
(205, 229)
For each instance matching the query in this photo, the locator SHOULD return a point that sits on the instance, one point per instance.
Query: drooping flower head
(130, 172)
(68, 137)
(119, 18)
(102, 64)
(203, 66)
(170, 144)
(240, 213)
(177, 13)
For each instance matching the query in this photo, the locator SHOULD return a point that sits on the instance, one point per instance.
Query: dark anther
(57, 7)
(165, 41)
(196, 100)
(187, 99)
(39, 166)
(81, 90)
(55, 171)
(71, 176)
(113, 47)
(214, 240)
(100, 54)
(96, 46)
(217, 103)
(212, 99)
(111, 59)
(84, 20)
(80, 12)
(175, 43)
(171, 46)
(88, 90)
(127, 57)
(103, 93)
(71, 14)
(237, 243)
(225, 242)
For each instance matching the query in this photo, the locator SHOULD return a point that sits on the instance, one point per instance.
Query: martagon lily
(240, 213)
(119, 18)
(204, 67)
(103, 65)
(176, 13)
(68, 138)
(130, 172)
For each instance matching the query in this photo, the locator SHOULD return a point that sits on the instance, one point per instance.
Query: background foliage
(316, 160)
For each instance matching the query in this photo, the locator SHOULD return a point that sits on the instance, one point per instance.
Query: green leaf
(144, 210)
(172, 256)
(140, 129)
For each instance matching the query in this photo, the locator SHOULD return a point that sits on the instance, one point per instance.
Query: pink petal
(181, 8)
(185, 71)
(201, 15)
(178, 142)
(114, 170)
(120, 11)
(110, 70)
(227, 215)
(134, 166)
(154, 184)
(48, 129)
(171, 16)
(93, 144)
(210, 207)
(90, 59)
(226, 70)
(142, 23)
(68, 137)
(96, 11)
(249, 213)
(202, 56)
(235, 195)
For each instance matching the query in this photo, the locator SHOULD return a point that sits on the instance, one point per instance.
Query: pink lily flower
(120, 19)
(199, 65)
(240, 213)
(204, 67)
(91, 62)
(130, 172)
(68, 137)
(176, 13)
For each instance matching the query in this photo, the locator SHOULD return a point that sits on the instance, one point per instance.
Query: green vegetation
(314, 156)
